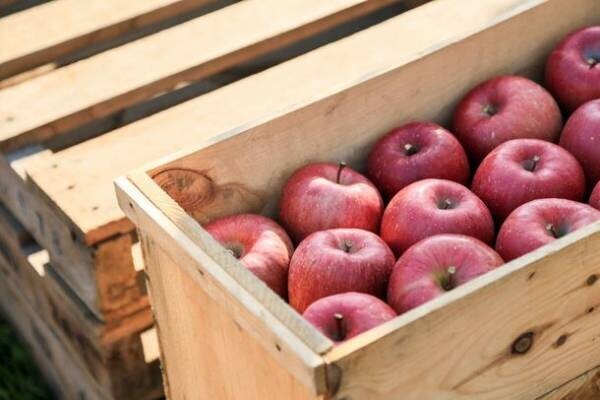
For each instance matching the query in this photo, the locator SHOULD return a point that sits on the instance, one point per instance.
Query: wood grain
(584, 387)
(110, 81)
(49, 31)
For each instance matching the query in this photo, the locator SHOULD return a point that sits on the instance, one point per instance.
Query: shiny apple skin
(581, 137)
(337, 261)
(419, 274)
(260, 244)
(569, 75)
(528, 227)
(432, 152)
(417, 212)
(595, 197)
(517, 108)
(312, 201)
(361, 312)
(504, 183)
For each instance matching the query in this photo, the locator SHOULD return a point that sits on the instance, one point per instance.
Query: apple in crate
(437, 265)
(325, 196)
(342, 316)
(259, 243)
(434, 206)
(416, 151)
(540, 222)
(573, 68)
(337, 261)
(581, 137)
(505, 108)
(522, 170)
(595, 197)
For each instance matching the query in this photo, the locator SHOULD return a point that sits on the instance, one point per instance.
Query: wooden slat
(265, 322)
(120, 77)
(584, 387)
(49, 31)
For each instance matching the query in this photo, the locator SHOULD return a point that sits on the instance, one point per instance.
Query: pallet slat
(110, 81)
(49, 31)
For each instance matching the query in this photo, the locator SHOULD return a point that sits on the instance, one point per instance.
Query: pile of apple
(371, 248)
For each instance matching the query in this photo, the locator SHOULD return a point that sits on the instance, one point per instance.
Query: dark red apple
(540, 222)
(581, 137)
(505, 108)
(260, 245)
(416, 151)
(434, 206)
(436, 265)
(337, 261)
(342, 316)
(595, 197)
(522, 170)
(573, 68)
(325, 196)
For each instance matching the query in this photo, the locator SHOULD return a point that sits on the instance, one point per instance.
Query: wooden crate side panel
(206, 352)
(63, 26)
(425, 86)
(584, 387)
(261, 314)
(109, 82)
(102, 276)
(514, 333)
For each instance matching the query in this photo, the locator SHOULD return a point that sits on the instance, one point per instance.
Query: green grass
(19, 376)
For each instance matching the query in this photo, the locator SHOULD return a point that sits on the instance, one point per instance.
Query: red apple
(260, 245)
(416, 151)
(573, 68)
(325, 196)
(581, 137)
(337, 261)
(540, 222)
(595, 197)
(434, 206)
(436, 265)
(522, 170)
(505, 108)
(342, 316)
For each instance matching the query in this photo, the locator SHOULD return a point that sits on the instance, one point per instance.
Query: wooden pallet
(103, 361)
(528, 330)
(62, 192)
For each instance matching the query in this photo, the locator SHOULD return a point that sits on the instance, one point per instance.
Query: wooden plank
(49, 31)
(584, 387)
(264, 321)
(110, 81)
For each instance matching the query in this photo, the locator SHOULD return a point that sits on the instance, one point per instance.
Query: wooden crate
(527, 330)
(98, 360)
(56, 172)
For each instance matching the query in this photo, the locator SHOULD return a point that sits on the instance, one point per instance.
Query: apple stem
(339, 172)
(592, 62)
(489, 110)
(530, 165)
(446, 204)
(410, 149)
(347, 246)
(448, 283)
(550, 228)
(340, 327)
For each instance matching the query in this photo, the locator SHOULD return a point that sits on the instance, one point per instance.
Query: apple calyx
(341, 166)
(447, 281)
(409, 149)
(556, 233)
(346, 246)
(530, 165)
(592, 61)
(235, 252)
(340, 327)
(489, 110)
